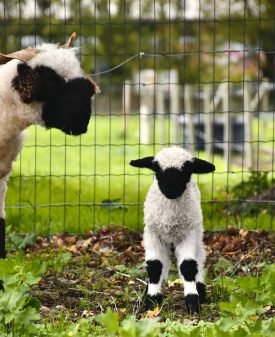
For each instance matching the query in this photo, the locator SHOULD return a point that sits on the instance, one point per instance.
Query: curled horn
(70, 41)
(23, 55)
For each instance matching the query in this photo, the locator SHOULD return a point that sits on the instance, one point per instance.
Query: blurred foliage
(259, 189)
(111, 31)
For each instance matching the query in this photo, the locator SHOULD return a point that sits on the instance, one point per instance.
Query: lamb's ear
(25, 83)
(202, 166)
(147, 162)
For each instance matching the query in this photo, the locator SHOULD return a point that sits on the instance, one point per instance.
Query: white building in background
(144, 9)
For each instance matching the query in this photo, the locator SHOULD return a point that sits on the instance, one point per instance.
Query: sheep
(44, 86)
(173, 222)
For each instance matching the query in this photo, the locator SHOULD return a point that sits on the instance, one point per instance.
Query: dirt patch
(106, 270)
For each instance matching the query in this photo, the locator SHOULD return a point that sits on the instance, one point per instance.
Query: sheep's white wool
(172, 157)
(63, 61)
(176, 222)
(172, 219)
(18, 108)
(3, 190)
(14, 116)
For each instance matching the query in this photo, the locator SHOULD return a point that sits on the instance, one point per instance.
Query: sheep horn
(70, 41)
(23, 55)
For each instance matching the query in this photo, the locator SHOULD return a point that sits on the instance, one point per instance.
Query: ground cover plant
(93, 285)
(75, 184)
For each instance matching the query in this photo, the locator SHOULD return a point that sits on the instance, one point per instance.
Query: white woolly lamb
(44, 86)
(173, 220)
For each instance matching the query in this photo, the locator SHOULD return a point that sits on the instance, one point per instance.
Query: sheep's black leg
(200, 258)
(2, 245)
(189, 270)
(157, 261)
(153, 297)
(201, 291)
(2, 239)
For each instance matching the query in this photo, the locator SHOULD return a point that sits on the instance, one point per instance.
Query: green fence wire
(198, 74)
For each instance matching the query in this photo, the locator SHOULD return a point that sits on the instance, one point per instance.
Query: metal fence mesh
(199, 74)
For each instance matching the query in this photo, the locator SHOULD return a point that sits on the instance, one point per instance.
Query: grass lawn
(62, 183)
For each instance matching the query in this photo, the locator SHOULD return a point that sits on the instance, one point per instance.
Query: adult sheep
(173, 219)
(44, 86)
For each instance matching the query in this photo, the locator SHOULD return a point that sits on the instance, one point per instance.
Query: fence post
(208, 127)
(248, 146)
(265, 104)
(146, 111)
(188, 109)
(160, 112)
(175, 110)
(227, 129)
(126, 103)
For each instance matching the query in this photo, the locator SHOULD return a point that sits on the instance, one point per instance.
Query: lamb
(173, 221)
(44, 86)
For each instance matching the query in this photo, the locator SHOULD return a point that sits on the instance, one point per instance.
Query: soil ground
(106, 270)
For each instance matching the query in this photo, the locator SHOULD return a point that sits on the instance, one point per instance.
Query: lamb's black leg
(201, 291)
(153, 294)
(2, 239)
(189, 270)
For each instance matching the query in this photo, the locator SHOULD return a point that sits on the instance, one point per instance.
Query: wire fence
(198, 74)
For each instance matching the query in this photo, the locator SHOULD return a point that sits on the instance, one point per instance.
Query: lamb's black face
(172, 181)
(67, 104)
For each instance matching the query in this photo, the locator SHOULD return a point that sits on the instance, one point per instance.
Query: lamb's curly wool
(173, 218)
(47, 88)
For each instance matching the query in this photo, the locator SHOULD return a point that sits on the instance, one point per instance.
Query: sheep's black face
(172, 181)
(70, 110)
(67, 104)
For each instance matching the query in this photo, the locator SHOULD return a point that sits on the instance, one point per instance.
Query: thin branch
(126, 275)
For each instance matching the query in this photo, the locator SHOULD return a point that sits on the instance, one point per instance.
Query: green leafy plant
(129, 327)
(257, 183)
(18, 242)
(18, 309)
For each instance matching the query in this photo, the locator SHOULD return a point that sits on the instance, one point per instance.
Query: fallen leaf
(70, 239)
(96, 246)
(153, 313)
(172, 283)
(57, 242)
(86, 313)
(243, 232)
(72, 249)
(267, 308)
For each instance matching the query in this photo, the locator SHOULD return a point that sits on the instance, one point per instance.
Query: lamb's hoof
(1, 285)
(201, 291)
(151, 302)
(192, 303)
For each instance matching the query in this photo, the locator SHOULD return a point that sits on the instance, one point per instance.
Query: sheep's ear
(147, 162)
(202, 166)
(23, 55)
(25, 83)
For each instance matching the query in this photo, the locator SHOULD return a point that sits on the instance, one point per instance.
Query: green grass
(62, 183)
